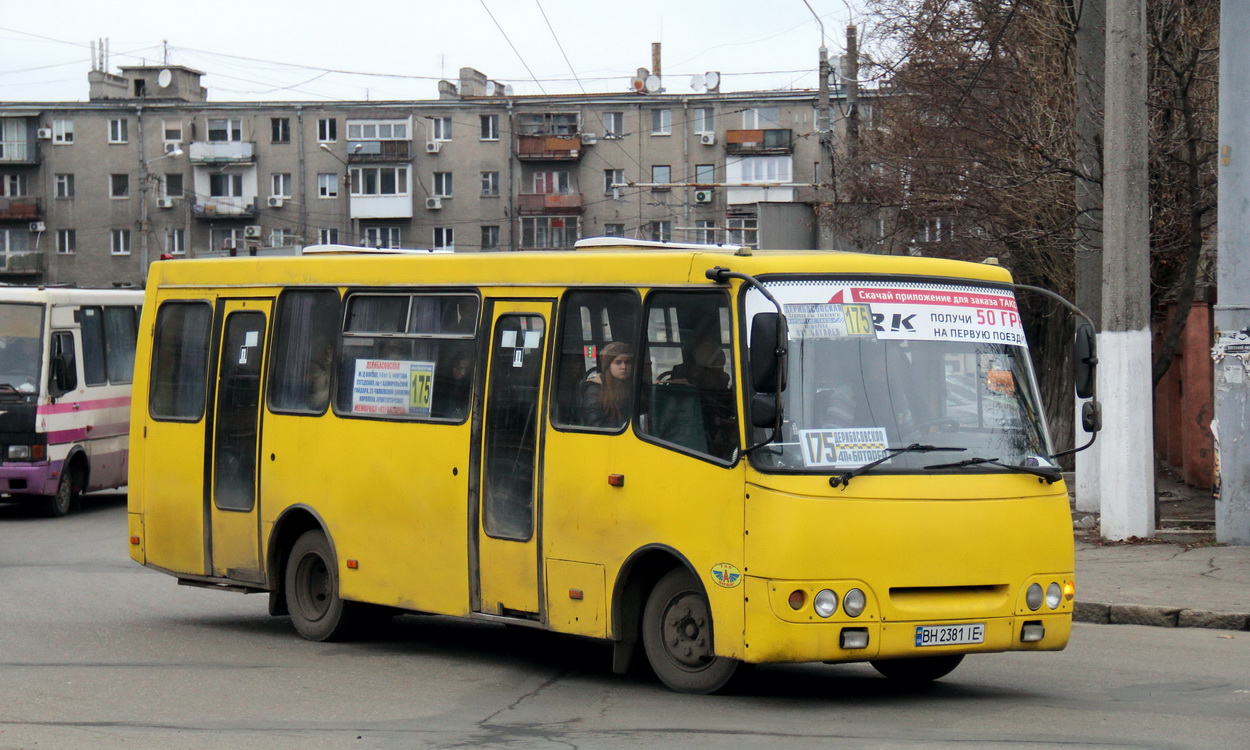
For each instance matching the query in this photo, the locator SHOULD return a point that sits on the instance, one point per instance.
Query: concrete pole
(1124, 371)
(1232, 314)
(1091, 46)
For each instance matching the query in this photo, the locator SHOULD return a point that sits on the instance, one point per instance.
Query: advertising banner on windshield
(899, 310)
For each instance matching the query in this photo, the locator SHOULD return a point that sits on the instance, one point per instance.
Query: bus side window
(94, 368)
(691, 405)
(121, 330)
(180, 361)
(305, 329)
(64, 365)
(598, 328)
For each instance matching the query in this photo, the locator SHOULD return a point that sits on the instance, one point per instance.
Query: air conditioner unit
(276, 201)
(589, 139)
(433, 204)
(433, 147)
(38, 226)
(172, 146)
(252, 231)
(708, 139)
(703, 196)
(164, 202)
(44, 134)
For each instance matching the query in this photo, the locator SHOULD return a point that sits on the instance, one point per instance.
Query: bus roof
(63, 295)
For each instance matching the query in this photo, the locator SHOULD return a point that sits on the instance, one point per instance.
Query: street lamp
(143, 210)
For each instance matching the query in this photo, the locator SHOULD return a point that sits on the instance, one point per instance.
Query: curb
(1156, 616)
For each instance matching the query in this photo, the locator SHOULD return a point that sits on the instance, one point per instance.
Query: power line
(513, 46)
(560, 46)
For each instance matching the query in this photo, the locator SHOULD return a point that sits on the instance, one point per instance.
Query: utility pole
(1091, 47)
(1124, 354)
(1232, 314)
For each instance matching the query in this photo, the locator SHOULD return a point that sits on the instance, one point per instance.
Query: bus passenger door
(510, 487)
(233, 507)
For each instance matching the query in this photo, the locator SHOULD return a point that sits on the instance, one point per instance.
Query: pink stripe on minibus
(69, 407)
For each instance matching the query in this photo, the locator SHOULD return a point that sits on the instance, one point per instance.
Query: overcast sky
(316, 50)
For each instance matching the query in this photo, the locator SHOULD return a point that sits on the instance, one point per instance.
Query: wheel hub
(685, 631)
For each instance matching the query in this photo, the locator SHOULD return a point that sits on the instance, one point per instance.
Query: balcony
(233, 152)
(548, 204)
(381, 207)
(21, 263)
(776, 141)
(364, 152)
(224, 208)
(549, 147)
(19, 152)
(20, 209)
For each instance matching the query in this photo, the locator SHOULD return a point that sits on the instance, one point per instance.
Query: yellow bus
(708, 456)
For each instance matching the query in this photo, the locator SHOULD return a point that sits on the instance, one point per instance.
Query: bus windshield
(881, 365)
(20, 334)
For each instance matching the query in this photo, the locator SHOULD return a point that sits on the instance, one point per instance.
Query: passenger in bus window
(607, 394)
(319, 373)
(453, 387)
(704, 368)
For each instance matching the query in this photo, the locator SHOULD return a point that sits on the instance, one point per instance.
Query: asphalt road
(97, 652)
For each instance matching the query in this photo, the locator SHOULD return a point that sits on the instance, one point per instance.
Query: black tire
(312, 592)
(66, 497)
(919, 670)
(677, 634)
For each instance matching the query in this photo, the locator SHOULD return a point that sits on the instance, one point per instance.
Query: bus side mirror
(1091, 416)
(768, 354)
(764, 410)
(1085, 361)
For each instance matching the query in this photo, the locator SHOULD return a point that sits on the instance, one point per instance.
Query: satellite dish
(164, 78)
(697, 82)
(653, 84)
(490, 88)
(637, 84)
(712, 78)
(507, 89)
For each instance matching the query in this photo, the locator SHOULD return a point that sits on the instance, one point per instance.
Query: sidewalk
(1181, 578)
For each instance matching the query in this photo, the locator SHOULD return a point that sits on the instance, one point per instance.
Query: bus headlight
(1033, 597)
(825, 603)
(1053, 595)
(19, 452)
(854, 602)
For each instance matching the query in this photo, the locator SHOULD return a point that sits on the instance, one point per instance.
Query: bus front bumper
(25, 478)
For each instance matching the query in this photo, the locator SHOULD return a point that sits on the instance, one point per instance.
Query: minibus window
(597, 370)
(305, 330)
(180, 361)
(93, 361)
(120, 332)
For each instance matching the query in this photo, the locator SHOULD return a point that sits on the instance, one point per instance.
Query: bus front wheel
(60, 504)
(677, 636)
(918, 670)
(312, 591)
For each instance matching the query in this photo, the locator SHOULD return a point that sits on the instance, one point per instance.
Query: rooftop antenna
(165, 51)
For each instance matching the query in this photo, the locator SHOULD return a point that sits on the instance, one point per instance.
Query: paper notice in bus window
(1001, 381)
(824, 320)
(386, 386)
(842, 449)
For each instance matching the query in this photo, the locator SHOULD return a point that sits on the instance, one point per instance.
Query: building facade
(92, 192)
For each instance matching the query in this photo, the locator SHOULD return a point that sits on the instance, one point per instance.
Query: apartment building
(92, 192)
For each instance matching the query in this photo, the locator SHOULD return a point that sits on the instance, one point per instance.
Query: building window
(552, 183)
(613, 124)
(173, 132)
(225, 239)
(760, 118)
(490, 238)
(441, 128)
(225, 185)
(377, 130)
(176, 242)
(119, 186)
(120, 244)
(368, 181)
(281, 185)
(742, 230)
(705, 174)
(442, 184)
(384, 237)
(444, 238)
(548, 232)
(65, 186)
(611, 178)
(62, 131)
(703, 122)
(661, 175)
(66, 241)
(281, 238)
(661, 121)
(119, 131)
(328, 236)
(490, 184)
(327, 130)
(705, 232)
(613, 230)
(225, 131)
(173, 185)
(490, 127)
(327, 185)
(548, 123)
(662, 231)
(14, 185)
(280, 129)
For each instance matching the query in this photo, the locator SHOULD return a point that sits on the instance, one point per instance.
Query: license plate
(950, 635)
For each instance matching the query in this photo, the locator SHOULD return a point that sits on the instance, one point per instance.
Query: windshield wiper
(1050, 475)
(845, 478)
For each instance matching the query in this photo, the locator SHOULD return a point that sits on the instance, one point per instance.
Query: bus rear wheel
(919, 670)
(312, 592)
(677, 636)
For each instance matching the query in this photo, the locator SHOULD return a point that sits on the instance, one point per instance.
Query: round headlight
(854, 602)
(825, 603)
(1033, 597)
(1053, 595)
(798, 598)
